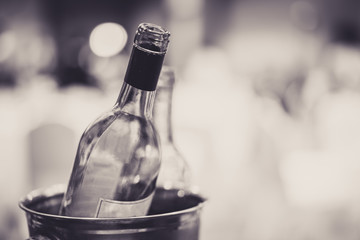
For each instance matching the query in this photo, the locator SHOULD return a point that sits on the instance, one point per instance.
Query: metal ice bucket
(171, 216)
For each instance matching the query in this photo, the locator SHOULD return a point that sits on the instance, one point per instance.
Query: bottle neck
(162, 113)
(135, 101)
(138, 91)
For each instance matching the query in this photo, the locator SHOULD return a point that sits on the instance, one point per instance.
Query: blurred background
(266, 105)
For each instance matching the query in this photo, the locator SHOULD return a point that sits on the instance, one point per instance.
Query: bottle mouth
(152, 37)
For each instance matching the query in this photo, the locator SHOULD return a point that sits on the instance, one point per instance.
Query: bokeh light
(108, 39)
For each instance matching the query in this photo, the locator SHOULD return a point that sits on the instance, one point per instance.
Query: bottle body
(117, 161)
(118, 158)
(174, 171)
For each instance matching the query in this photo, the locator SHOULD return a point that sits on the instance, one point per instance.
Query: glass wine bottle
(174, 172)
(118, 157)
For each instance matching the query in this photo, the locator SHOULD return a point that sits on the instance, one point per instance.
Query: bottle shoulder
(121, 137)
(113, 116)
(120, 128)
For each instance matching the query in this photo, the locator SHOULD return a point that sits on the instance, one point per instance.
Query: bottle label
(123, 209)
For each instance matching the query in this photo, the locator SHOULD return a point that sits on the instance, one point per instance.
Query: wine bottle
(118, 157)
(174, 172)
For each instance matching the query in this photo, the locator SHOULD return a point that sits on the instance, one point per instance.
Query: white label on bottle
(122, 209)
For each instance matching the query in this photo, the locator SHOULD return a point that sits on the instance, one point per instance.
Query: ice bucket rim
(60, 189)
